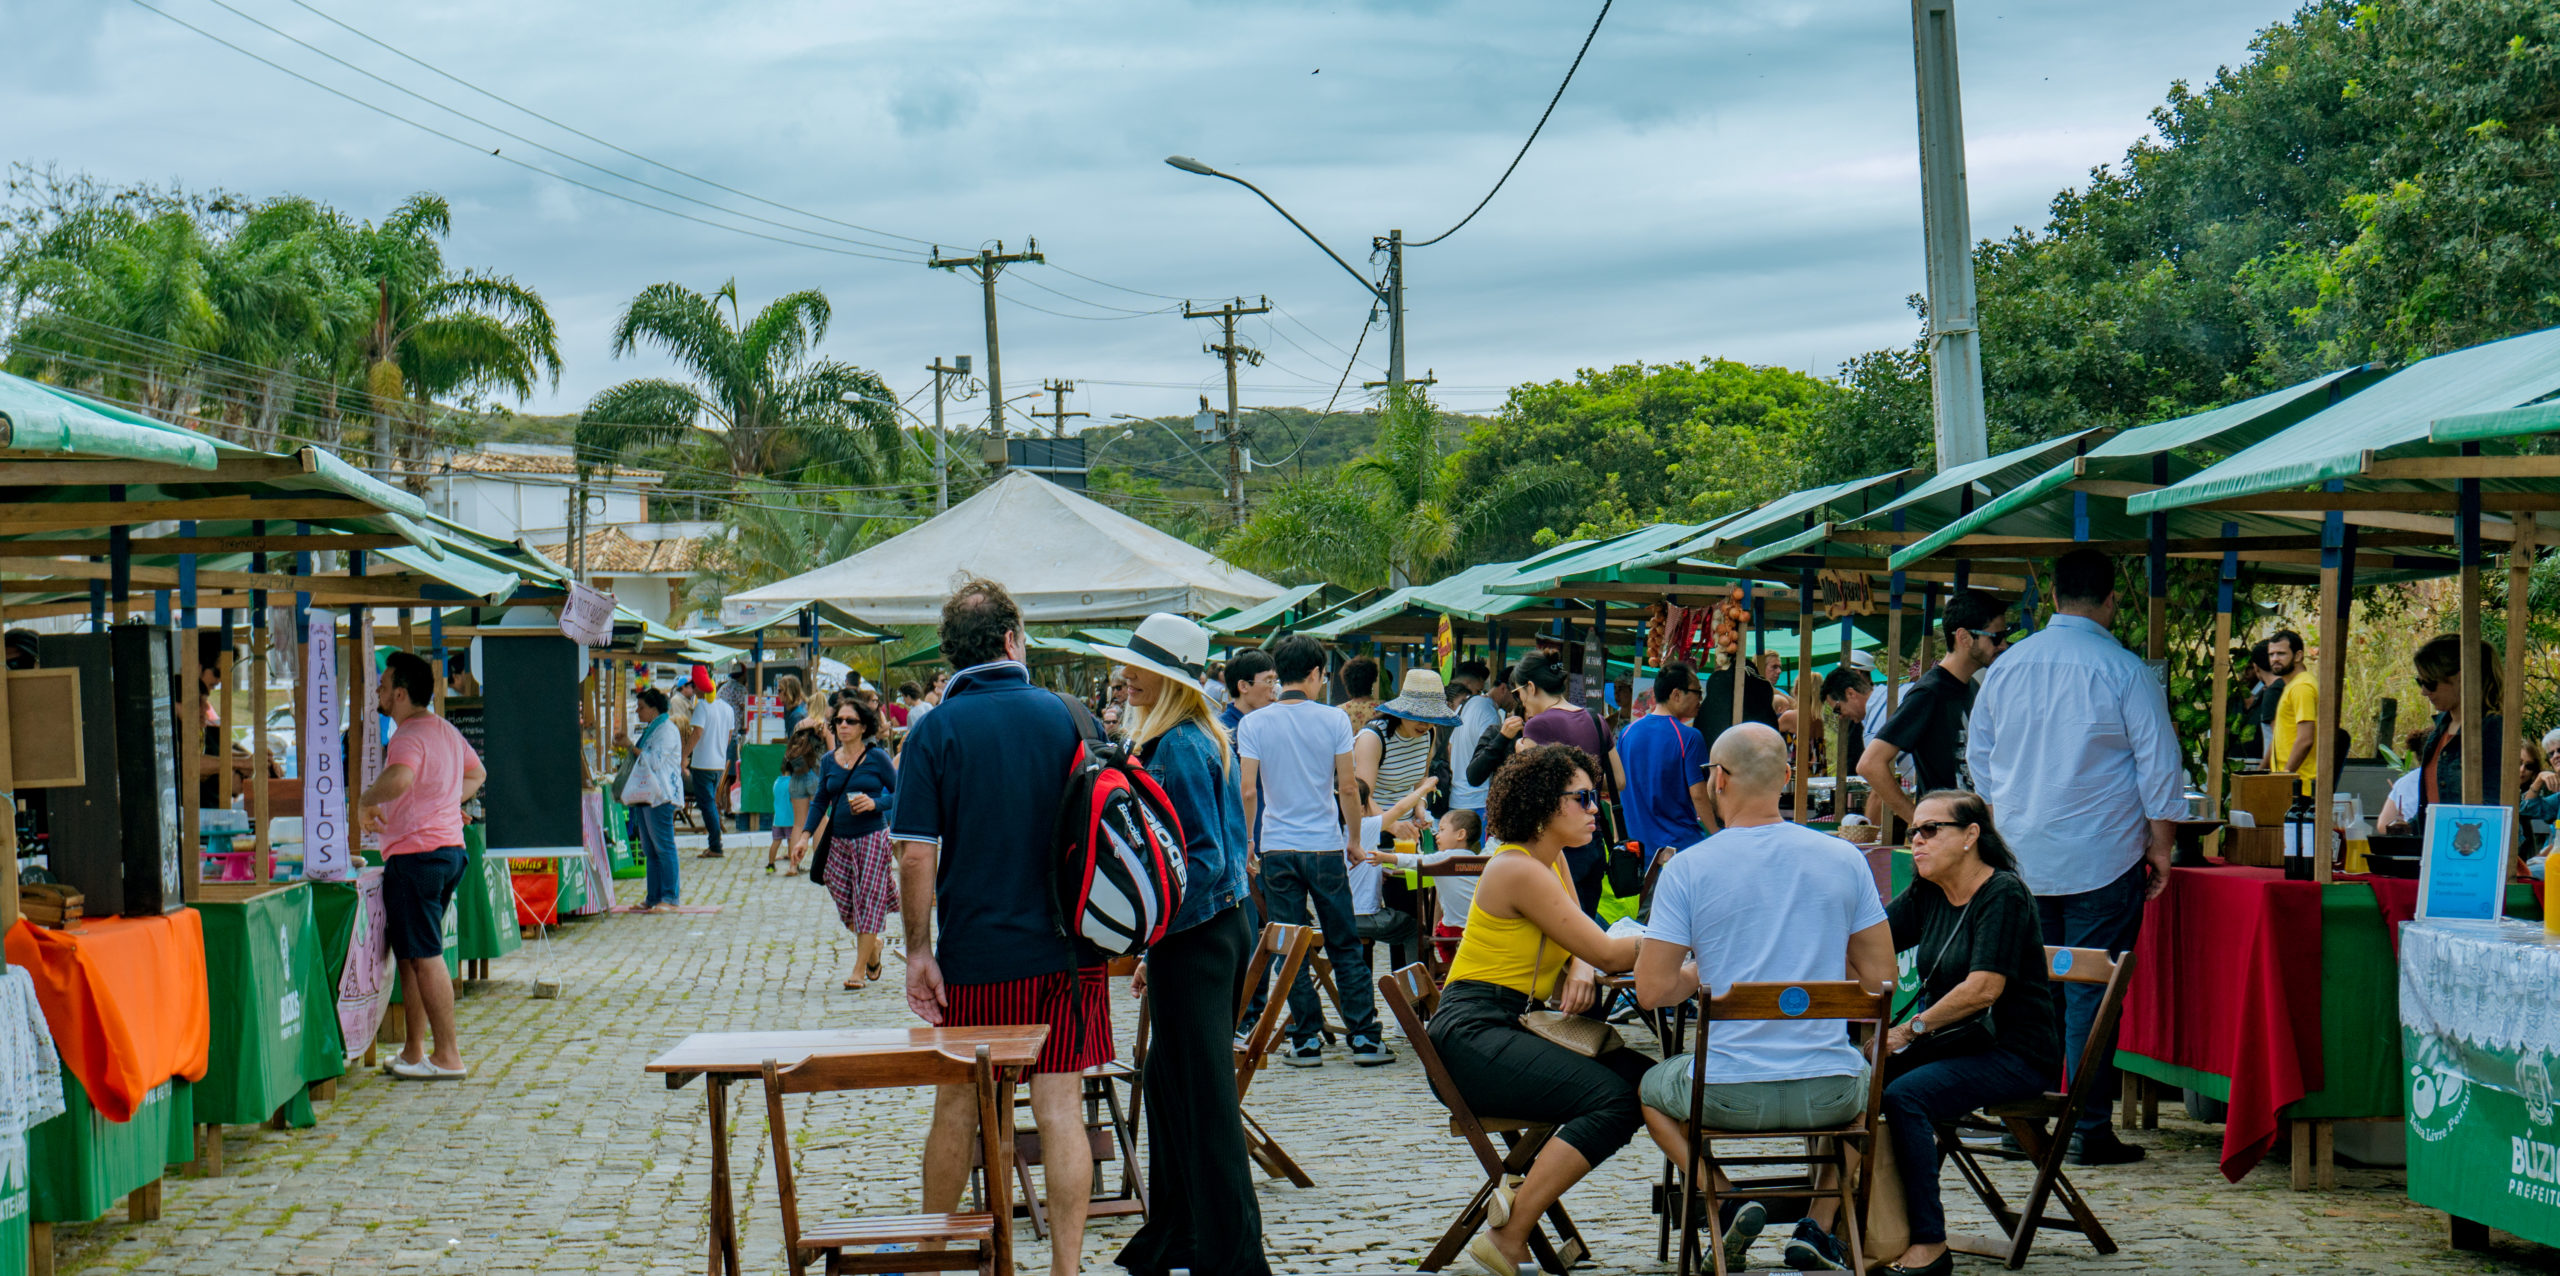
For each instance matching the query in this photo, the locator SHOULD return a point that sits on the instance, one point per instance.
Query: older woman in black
(1985, 1031)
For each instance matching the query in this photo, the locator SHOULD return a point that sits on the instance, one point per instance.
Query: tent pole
(2511, 706)
(2330, 688)
(1808, 708)
(2219, 751)
(2469, 529)
(2159, 564)
(1741, 656)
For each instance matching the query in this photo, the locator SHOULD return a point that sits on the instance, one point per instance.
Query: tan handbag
(1888, 1228)
(1590, 1038)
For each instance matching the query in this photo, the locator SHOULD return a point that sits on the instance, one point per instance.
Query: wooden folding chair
(1696, 1196)
(1460, 866)
(1411, 995)
(1285, 947)
(2042, 1127)
(976, 1234)
(1111, 1129)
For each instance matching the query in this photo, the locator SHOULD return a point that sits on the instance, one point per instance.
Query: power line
(610, 146)
(1533, 133)
(1135, 292)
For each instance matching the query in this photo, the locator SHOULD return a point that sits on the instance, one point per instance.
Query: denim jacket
(1186, 762)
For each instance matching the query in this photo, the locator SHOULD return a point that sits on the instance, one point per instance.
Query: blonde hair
(1177, 701)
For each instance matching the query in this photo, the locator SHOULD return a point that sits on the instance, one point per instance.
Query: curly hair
(1524, 794)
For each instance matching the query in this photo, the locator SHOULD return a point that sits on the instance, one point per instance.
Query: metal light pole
(1955, 339)
(1391, 297)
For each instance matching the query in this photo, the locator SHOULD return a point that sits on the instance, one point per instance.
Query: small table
(721, 1058)
(2479, 1035)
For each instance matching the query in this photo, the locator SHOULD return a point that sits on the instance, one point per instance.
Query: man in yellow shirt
(2293, 743)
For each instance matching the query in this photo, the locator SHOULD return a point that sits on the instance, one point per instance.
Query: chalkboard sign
(465, 713)
(147, 751)
(84, 826)
(529, 706)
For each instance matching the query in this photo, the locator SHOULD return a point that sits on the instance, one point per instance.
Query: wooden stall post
(190, 740)
(1840, 762)
(9, 826)
(2331, 689)
(2158, 561)
(1892, 663)
(2469, 531)
(2217, 752)
(1808, 707)
(2511, 705)
(261, 642)
(227, 787)
(1741, 660)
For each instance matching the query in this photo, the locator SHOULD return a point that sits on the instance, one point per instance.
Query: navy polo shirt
(981, 777)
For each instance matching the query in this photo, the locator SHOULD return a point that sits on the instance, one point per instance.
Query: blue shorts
(416, 889)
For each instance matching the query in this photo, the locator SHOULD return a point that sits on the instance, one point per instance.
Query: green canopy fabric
(1297, 604)
(2470, 394)
(836, 627)
(2040, 507)
(1855, 496)
(1934, 503)
(1628, 558)
(35, 417)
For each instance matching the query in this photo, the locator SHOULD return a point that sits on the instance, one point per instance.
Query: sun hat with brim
(1167, 644)
(1422, 700)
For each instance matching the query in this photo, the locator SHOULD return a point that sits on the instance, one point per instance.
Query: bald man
(1764, 900)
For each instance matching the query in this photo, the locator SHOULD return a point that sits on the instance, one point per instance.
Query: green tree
(1400, 513)
(760, 397)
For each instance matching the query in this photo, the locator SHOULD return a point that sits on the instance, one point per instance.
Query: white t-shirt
(2404, 792)
(1294, 743)
(1772, 902)
(1874, 722)
(1477, 716)
(1454, 891)
(717, 720)
(1368, 881)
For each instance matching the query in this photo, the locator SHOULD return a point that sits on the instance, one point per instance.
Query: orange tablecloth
(125, 998)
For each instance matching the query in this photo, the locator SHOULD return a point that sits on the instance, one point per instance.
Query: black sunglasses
(2427, 684)
(1931, 828)
(848, 722)
(1589, 798)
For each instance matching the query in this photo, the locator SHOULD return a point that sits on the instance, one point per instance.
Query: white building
(522, 491)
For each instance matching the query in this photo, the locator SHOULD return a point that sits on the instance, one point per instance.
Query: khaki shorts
(1808, 1103)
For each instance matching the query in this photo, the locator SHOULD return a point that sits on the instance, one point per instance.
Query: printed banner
(2462, 869)
(324, 782)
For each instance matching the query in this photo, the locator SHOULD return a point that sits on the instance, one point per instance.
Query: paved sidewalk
(560, 1155)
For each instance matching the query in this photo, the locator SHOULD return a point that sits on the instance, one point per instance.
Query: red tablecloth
(2398, 899)
(125, 999)
(2227, 980)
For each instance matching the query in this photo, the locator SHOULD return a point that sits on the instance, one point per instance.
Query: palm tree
(759, 397)
(125, 302)
(425, 332)
(773, 533)
(1397, 514)
(276, 281)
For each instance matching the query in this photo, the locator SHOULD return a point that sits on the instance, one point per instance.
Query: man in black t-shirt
(1929, 722)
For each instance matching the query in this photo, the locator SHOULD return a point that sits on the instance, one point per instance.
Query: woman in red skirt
(857, 787)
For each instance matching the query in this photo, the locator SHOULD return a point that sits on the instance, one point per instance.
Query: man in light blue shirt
(2070, 742)
(1477, 716)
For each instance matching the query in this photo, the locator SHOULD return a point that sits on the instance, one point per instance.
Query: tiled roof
(532, 463)
(610, 550)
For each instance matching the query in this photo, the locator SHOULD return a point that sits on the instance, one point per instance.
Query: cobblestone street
(560, 1155)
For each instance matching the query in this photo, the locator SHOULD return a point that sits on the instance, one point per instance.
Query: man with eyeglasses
(2072, 745)
(1928, 726)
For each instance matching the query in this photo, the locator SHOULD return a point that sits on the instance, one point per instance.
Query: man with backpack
(1298, 782)
(980, 785)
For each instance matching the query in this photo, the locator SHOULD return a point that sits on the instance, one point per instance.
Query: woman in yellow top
(1526, 935)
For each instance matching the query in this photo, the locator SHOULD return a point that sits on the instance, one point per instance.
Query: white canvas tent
(1062, 556)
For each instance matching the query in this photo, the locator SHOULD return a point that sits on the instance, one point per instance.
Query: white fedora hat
(1167, 644)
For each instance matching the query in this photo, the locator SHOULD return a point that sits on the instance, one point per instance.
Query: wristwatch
(1919, 1026)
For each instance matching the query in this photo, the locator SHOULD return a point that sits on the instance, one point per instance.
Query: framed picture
(2462, 872)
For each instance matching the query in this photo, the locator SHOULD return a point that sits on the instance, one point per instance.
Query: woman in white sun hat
(1201, 1213)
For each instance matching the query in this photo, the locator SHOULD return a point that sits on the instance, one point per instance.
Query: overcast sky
(1724, 179)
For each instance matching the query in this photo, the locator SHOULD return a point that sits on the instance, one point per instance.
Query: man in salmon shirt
(416, 805)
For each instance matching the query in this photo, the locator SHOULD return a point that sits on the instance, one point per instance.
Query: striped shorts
(1075, 1004)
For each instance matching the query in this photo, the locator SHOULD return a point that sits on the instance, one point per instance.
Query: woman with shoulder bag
(1984, 1032)
(849, 823)
(1202, 1214)
(1528, 944)
(651, 792)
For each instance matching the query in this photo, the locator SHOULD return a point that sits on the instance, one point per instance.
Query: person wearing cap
(1201, 1213)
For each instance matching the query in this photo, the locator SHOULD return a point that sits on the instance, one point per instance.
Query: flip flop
(853, 983)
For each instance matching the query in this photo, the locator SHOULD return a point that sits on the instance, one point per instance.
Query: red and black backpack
(1120, 864)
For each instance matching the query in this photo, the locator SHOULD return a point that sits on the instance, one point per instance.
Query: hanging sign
(587, 617)
(324, 781)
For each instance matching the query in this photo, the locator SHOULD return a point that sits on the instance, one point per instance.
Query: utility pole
(1955, 339)
(1231, 350)
(941, 435)
(1394, 246)
(1058, 414)
(987, 265)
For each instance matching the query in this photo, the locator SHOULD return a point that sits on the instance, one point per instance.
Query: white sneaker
(424, 1070)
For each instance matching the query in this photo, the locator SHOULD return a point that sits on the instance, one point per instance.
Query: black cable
(1533, 134)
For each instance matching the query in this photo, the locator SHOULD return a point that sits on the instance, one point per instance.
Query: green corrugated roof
(2034, 508)
(2398, 417)
(1742, 528)
(1268, 611)
(836, 627)
(1624, 557)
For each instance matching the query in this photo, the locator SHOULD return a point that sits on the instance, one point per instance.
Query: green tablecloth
(2359, 1016)
(485, 903)
(80, 1164)
(758, 764)
(2475, 1001)
(275, 1029)
(357, 951)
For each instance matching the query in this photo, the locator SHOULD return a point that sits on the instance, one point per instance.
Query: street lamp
(1391, 296)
